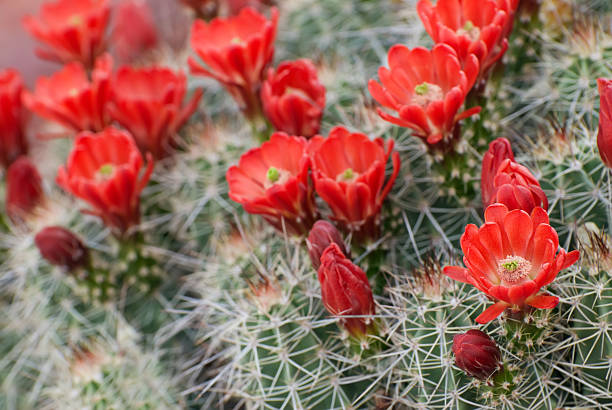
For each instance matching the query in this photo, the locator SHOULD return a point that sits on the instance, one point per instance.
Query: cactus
(208, 306)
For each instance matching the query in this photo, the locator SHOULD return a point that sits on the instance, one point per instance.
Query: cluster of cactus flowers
(330, 229)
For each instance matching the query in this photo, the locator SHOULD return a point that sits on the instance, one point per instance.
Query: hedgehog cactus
(314, 204)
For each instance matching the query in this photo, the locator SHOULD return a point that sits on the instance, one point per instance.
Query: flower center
(75, 20)
(276, 176)
(347, 176)
(105, 171)
(469, 30)
(513, 269)
(425, 93)
(236, 40)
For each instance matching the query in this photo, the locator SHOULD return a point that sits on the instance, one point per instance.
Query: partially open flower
(510, 258)
(293, 98)
(104, 170)
(476, 354)
(73, 30)
(13, 141)
(24, 191)
(499, 150)
(516, 187)
(70, 99)
(428, 99)
(348, 170)
(148, 102)
(604, 136)
(236, 51)
(346, 292)
(272, 181)
(319, 238)
(62, 248)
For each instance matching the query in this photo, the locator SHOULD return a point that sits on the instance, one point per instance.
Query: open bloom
(604, 136)
(148, 102)
(346, 292)
(13, 141)
(73, 30)
(349, 174)
(510, 258)
(134, 31)
(104, 169)
(70, 99)
(24, 191)
(499, 150)
(236, 51)
(471, 27)
(293, 98)
(60, 247)
(319, 238)
(426, 89)
(272, 181)
(476, 354)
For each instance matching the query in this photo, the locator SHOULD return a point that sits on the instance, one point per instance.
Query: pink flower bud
(320, 237)
(476, 354)
(61, 247)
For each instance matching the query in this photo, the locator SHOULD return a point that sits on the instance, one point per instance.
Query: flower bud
(604, 136)
(61, 247)
(345, 291)
(23, 189)
(320, 237)
(476, 354)
(499, 151)
(517, 188)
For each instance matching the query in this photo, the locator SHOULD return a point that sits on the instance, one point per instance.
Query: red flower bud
(293, 98)
(13, 142)
(476, 354)
(23, 189)
(61, 247)
(345, 291)
(320, 237)
(499, 151)
(517, 188)
(604, 137)
(134, 32)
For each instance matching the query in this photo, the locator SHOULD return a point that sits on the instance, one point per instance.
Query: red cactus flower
(516, 187)
(499, 150)
(236, 52)
(319, 238)
(134, 31)
(148, 102)
(426, 88)
(272, 181)
(476, 354)
(293, 98)
(13, 141)
(349, 174)
(510, 258)
(103, 169)
(69, 98)
(345, 291)
(73, 30)
(604, 136)
(478, 27)
(60, 247)
(24, 191)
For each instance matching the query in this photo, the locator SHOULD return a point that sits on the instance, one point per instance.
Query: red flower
(69, 98)
(13, 141)
(72, 29)
(476, 354)
(517, 188)
(293, 98)
(499, 151)
(319, 238)
(134, 32)
(61, 247)
(478, 27)
(426, 88)
(24, 192)
(236, 51)
(272, 181)
(349, 174)
(604, 137)
(149, 103)
(345, 291)
(510, 258)
(103, 169)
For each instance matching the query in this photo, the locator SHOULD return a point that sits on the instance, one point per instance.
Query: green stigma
(75, 20)
(236, 40)
(348, 174)
(106, 170)
(273, 175)
(468, 26)
(510, 266)
(421, 89)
